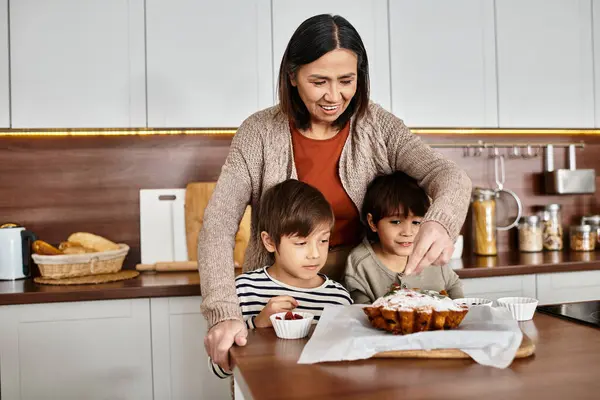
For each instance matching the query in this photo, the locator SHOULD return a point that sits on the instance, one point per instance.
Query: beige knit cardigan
(261, 156)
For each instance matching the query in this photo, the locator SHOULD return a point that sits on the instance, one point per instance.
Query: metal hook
(478, 151)
(494, 152)
(516, 152)
(499, 172)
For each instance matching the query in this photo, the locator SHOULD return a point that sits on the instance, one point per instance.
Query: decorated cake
(403, 311)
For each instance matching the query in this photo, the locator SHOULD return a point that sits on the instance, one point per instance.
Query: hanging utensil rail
(518, 149)
(502, 145)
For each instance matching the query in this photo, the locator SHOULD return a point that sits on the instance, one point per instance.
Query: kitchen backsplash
(57, 185)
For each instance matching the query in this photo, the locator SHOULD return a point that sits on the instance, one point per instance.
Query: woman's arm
(448, 185)
(221, 222)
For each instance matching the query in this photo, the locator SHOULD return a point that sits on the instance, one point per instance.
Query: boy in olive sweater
(393, 208)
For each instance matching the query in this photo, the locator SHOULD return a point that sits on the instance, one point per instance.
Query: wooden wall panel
(59, 185)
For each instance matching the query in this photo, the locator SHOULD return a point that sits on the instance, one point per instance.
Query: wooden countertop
(564, 366)
(170, 284)
(147, 284)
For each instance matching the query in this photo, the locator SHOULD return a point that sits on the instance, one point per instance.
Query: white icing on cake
(407, 299)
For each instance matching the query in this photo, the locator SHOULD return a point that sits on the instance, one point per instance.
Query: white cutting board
(162, 225)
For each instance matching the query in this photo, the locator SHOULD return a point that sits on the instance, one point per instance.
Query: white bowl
(521, 308)
(474, 301)
(458, 248)
(292, 329)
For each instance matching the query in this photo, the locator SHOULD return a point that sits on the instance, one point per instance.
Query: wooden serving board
(197, 195)
(526, 349)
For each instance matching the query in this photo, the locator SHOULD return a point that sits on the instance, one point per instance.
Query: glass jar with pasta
(583, 238)
(552, 227)
(483, 206)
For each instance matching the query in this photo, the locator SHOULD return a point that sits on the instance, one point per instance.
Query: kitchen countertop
(170, 284)
(516, 263)
(564, 366)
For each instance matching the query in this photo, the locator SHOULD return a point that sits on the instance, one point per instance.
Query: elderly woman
(327, 133)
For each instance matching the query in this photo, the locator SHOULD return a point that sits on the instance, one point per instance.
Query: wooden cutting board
(526, 349)
(197, 195)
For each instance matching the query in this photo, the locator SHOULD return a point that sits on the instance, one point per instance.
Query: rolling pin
(169, 266)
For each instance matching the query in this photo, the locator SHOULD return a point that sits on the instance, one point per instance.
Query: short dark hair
(315, 37)
(293, 208)
(386, 194)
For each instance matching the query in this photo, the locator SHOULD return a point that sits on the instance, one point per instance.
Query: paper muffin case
(292, 329)
(522, 308)
(474, 301)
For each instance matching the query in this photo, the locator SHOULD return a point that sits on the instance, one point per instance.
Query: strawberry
(279, 318)
(289, 316)
(298, 316)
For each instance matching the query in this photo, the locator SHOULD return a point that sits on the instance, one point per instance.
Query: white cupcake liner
(474, 301)
(294, 329)
(521, 308)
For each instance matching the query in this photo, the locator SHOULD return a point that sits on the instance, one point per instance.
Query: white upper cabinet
(77, 63)
(545, 63)
(209, 63)
(443, 62)
(4, 85)
(368, 17)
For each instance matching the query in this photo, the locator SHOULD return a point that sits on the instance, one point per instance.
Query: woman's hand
(432, 245)
(221, 337)
(275, 305)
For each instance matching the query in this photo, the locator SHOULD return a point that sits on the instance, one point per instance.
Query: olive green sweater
(367, 278)
(261, 156)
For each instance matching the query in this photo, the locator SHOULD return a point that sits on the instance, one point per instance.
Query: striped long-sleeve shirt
(256, 288)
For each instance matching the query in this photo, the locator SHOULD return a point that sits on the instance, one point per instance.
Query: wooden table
(566, 365)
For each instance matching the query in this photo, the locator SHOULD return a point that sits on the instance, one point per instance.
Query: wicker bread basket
(73, 265)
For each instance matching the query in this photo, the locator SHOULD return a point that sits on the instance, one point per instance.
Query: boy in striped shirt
(295, 221)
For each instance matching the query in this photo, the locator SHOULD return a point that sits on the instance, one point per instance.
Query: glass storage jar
(583, 238)
(552, 227)
(483, 205)
(530, 234)
(594, 221)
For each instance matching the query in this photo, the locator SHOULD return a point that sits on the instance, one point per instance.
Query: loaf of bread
(74, 248)
(45, 249)
(91, 241)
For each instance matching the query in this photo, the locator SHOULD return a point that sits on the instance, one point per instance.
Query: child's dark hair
(293, 208)
(386, 194)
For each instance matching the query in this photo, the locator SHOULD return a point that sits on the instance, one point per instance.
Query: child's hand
(275, 305)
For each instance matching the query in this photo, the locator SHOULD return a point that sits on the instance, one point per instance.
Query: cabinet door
(565, 287)
(180, 363)
(545, 68)
(4, 85)
(83, 350)
(443, 62)
(209, 62)
(77, 63)
(500, 286)
(369, 19)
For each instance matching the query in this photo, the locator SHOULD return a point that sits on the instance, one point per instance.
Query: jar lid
(552, 207)
(581, 228)
(483, 193)
(593, 219)
(530, 219)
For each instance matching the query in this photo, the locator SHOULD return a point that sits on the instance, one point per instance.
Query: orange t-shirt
(317, 163)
